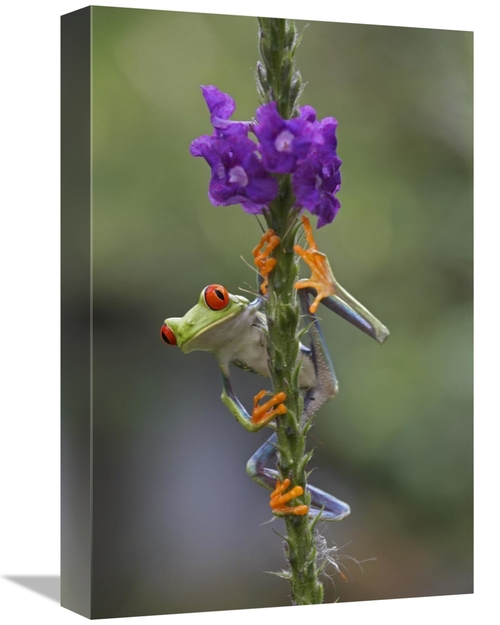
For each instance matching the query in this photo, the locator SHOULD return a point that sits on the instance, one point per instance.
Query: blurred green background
(177, 524)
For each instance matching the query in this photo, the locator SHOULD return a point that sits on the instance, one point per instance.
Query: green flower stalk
(278, 81)
(293, 166)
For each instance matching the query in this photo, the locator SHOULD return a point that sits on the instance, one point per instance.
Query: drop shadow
(47, 585)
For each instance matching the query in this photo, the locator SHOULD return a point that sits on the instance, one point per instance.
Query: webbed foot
(326, 289)
(279, 499)
(322, 279)
(265, 265)
(263, 413)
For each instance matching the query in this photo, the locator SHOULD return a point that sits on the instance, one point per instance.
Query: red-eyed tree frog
(235, 331)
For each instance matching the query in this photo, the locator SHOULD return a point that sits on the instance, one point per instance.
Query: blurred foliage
(177, 524)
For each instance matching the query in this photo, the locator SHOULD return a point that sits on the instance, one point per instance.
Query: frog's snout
(167, 335)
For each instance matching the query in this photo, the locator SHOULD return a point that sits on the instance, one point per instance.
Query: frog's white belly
(241, 340)
(250, 353)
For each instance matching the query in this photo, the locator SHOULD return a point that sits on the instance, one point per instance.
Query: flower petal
(221, 106)
(284, 141)
(219, 103)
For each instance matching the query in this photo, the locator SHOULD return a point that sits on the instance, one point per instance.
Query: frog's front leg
(329, 507)
(261, 415)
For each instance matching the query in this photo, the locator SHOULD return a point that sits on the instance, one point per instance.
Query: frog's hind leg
(329, 507)
(326, 290)
(326, 381)
(256, 466)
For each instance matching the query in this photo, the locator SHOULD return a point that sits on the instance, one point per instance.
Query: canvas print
(267, 312)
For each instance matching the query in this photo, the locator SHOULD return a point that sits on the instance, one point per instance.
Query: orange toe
(321, 279)
(264, 264)
(265, 412)
(279, 499)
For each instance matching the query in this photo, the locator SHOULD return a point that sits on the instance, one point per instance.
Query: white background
(29, 312)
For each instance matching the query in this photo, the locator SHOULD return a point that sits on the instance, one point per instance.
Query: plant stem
(277, 80)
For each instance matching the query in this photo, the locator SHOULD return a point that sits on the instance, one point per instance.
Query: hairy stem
(277, 80)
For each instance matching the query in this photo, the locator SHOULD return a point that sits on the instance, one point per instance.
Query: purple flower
(242, 169)
(238, 176)
(315, 185)
(221, 107)
(284, 141)
(316, 178)
(326, 149)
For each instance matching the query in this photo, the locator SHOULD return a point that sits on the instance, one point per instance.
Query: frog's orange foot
(265, 265)
(279, 499)
(265, 412)
(321, 280)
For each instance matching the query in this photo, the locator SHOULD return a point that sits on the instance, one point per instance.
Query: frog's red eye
(216, 297)
(167, 335)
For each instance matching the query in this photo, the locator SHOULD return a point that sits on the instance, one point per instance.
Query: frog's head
(194, 331)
